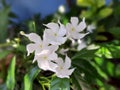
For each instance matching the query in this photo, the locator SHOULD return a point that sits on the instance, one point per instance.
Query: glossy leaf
(85, 54)
(10, 82)
(85, 3)
(29, 77)
(78, 83)
(60, 84)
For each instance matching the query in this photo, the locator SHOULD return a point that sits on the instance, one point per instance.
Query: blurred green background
(97, 69)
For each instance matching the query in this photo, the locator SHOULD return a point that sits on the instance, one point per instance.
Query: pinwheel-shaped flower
(55, 34)
(37, 44)
(75, 29)
(63, 67)
(44, 59)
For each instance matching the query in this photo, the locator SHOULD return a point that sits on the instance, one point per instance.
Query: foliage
(96, 66)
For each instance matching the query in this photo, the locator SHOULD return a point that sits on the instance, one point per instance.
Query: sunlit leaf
(60, 84)
(110, 68)
(29, 77)
(85, 3)
(10, 82)
(101, 3)
(105, 12)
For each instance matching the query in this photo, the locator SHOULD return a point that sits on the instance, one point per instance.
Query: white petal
(35, 58)
(43, 64)
(61, 40)
(81, 26)
(53, 56)
(62, 30)
(78, 35)
(74, 21)
(53, 26)
(59, 61)
(70, 71)
(30, 48)
(68, 27)
(52, 48)
(62, 75)
(67, 62)
(33, 37)
(52, 66)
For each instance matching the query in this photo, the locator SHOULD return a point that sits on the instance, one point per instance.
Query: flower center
(41, 46)
(55, 34)
(72, 29)
(45, 57)
(61, 68)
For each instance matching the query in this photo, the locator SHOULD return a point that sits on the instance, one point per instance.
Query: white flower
(74, 29)
(90, 28)
(38, 45)
(44, 59)
(81, 44)
(63, 51)
(55, 34)
(63, 67)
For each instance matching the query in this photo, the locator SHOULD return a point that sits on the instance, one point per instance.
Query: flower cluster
(55, 35)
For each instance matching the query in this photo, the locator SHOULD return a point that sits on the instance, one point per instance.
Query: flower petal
(62, 30)
(53, 26)
(67, 63)
(74, 21)
(30, 48)
(33, 37)
(81, 26)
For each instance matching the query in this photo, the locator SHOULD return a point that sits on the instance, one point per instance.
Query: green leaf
(10, 82)
(85, 3)
(115, 31)
(60, 84)
(87, 14)
(78, 83)
(3, 23)
(29, 77)
(85, 67)
(105, 12)
(85, 54)
(117, 71)
(101, 3)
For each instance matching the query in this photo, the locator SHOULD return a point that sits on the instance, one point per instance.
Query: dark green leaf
(85, 54)
(84, 66)
(60, 84)
(29, 77)
(115, 31)
(78, 83)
